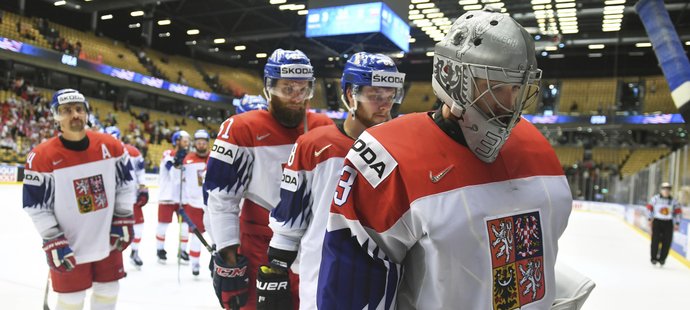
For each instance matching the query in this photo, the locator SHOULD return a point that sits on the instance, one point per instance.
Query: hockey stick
(195, 230)
(45, 294)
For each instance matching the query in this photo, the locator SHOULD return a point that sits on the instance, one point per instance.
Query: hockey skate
(184, 257)
(162, 256)
(135, 259)
(195, 269)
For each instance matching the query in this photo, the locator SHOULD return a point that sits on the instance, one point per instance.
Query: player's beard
(368, 120)
(287, 117)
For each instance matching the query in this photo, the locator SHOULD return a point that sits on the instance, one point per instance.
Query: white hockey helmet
(490, 46)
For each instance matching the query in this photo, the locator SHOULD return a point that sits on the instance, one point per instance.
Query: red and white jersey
(77, 192)
(418, 222)
(246, 161)
(137, 163)
(306, 191)
(168, 179)
(661, 208)
(193, 179)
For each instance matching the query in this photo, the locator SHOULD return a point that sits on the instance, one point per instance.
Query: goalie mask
(375, 70)
(289, 65)
(485, 70)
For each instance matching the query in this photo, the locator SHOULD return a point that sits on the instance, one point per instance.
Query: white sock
(138, 229)
(71, 301)
(160, 235)
(104, 296)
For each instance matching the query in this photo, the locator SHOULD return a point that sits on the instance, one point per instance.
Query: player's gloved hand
(59, 255)
(179, 157)
(142, 197)
(273, 289)
(121, 232)
(230, 282)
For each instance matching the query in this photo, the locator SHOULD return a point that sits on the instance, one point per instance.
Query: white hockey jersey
(664, 209)
(418, 222)
(169, 179)
(193, 179)
(306, 192)
(77, 192)
(138, 163)
(246, 161)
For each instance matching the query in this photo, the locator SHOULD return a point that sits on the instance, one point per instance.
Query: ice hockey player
(440, 209)
(371, 85)
(246, 162)
(249, 103)
(664, 218)
(194, 171)
(79, 192)
(169, 195)
(142, 193)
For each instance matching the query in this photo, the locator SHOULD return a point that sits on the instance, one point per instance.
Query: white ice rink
(600, 246)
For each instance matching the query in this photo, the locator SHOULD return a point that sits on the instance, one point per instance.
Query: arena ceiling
(250, 28)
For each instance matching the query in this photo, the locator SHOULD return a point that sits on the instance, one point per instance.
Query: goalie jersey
(420, 223)
(306, 192)
(77, 192)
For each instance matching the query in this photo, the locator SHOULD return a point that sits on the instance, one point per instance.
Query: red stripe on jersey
(319, 145)
(430, 162)
(260, 128)
(52, 154)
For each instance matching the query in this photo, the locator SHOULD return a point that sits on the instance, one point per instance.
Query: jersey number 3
(342, 192)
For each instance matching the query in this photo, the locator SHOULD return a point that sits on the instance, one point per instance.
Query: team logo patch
(90, 194)
(517, 260)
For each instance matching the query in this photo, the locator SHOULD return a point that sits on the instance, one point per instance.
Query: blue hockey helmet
(288, 65)
(113, 131)
(64, 96)
(177, 136)
(377, 70)
(202, 134)
(249, 103)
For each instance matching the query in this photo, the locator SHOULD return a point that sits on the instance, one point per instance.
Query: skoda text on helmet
(249, 103)
(65, 96)
(202, 134)
(376, 70)
(177, 136)
(113, 131)
(488, 46)
(288, 65)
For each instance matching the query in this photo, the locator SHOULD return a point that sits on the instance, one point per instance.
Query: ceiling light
(164, 22)
(556, 56)
(567, 31)
(565, 5)
(399, 55)
(132, 26)
(192, 32)
(412, 40)
(427, 28)
(687, 42)
(568, 23)
(419, 1)
(136, 13)
(596, 46)
(561, 1)
(261, 55)
(413, 12)
(472, 7)
(425, 5)
(594, 55)
(466, 2)
(612, 2)
(566, 14)
(164, 34)
(219, 41)
(490, 1)
(416, 16)
(614, 8)
(612, 21)
(427, 11)
(213, 49)
(551, 48)
(107, 16)
(240, 47)
(613, 16)
(284, 7)
(59, 3)
(434, 15)
(302, 12)
(190, 42)
(610, 29)
(277, 1)
(541, 1)
(643, 44)
(564, 19)
(297, 7)
(430, 54)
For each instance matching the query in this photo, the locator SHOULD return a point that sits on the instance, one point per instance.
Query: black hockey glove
(230, 282)
(273, 282)
(179, 157)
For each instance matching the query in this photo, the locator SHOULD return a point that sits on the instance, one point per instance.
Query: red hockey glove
(121, 232)
(59, 254)
(142, 197)
(230, 282)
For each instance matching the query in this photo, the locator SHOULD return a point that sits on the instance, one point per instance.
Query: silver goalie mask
(485, 70)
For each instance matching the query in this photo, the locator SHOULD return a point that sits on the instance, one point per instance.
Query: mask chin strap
(351, 110)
